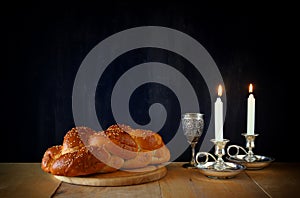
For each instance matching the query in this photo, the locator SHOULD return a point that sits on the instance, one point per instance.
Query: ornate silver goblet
(193, 124)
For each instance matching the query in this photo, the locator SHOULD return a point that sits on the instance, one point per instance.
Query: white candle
(219, 116)
(250, 112)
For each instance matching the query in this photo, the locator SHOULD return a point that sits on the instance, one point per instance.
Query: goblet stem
(193, 161)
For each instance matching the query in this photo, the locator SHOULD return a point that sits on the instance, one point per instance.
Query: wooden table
(276, 180)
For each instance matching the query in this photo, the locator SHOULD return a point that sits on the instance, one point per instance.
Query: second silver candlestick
(250, 160)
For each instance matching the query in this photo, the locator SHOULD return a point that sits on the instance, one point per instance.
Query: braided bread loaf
(85, 151)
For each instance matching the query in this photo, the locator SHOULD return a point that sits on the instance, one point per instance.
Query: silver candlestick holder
(218, 168)
(249, 159)
(219, 152)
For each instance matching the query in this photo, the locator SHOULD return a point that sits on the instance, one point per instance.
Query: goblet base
(189, 165)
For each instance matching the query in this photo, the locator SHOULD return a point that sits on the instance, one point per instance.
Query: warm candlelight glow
(220, 90)
(250, 88)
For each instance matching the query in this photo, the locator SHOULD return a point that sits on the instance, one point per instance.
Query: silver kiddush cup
(192, 124)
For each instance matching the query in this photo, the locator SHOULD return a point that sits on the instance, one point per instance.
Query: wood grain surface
(276, 180)
(179, 182)
(26, 180)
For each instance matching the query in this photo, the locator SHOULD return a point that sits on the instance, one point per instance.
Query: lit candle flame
(250, 88)
(220, 90)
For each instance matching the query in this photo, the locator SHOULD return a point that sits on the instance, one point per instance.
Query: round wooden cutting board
(118, 178)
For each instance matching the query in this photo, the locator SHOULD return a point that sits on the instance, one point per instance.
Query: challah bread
(150, 144)
(121, 143)
(85, 151)
(73, 158)
(147, 140)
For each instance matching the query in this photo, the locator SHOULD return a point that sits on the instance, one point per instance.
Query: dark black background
(43, 45)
